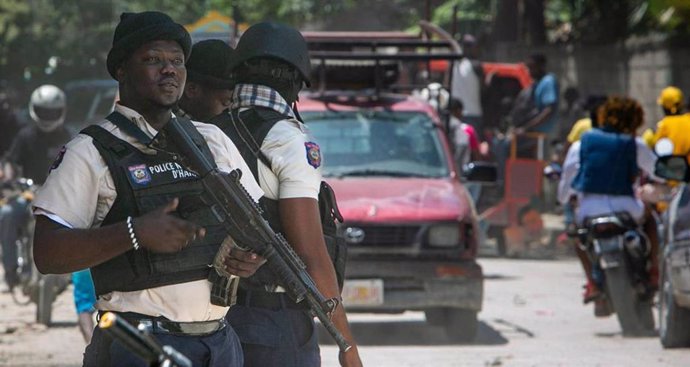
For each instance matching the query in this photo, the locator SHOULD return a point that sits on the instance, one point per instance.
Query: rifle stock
(241, 217)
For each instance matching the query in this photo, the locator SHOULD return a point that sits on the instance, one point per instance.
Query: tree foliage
(59, 40)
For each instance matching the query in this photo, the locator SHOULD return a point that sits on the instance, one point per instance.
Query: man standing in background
(468, 81)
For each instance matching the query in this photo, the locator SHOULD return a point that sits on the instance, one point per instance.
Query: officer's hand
(158, 231)
(350, 358)
(242, 263)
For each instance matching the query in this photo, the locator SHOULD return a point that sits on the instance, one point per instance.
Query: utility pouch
(335, 242)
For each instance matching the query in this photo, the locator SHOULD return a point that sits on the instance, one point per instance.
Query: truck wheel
(435, 316)
(673, 319)
(461, 325)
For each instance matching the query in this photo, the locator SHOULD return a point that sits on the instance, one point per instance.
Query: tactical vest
(145, 182)
(248, 129)
(608, 163)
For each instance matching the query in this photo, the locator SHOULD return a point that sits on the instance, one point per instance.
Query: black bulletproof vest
(248, 129)
(143, 183)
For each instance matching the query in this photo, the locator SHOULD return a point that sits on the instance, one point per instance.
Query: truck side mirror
(480, 172)
(672, 167)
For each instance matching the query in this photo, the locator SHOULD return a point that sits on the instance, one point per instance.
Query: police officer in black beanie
(110, 203)
(208, 90)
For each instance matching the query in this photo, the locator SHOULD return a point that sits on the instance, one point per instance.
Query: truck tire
(435, 316)
(633, 315)
(674, 321)
(461, 325)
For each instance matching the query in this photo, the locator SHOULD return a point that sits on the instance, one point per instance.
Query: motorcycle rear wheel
(635, 316)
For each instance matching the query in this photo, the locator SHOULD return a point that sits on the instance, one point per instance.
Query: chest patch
(313, 154)
(140, 174)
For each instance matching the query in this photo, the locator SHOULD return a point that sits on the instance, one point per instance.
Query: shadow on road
(411, 333)
(63, 324)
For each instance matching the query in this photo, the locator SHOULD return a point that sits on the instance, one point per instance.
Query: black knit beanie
(209, 64)
(136, 29)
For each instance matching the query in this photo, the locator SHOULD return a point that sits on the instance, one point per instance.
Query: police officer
(31, 153)
(271, 64)
(115, 204)
(208, 90)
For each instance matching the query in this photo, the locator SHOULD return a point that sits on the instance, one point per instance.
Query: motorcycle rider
(30, 155)
(671, 136)
(608, 161)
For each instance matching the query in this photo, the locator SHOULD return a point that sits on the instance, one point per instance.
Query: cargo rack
(372, 60)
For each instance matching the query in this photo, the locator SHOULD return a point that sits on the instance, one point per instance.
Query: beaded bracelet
(132, 236)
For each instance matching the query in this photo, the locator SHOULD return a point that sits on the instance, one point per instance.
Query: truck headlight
(444, 236)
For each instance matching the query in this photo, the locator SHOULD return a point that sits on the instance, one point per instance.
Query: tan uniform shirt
(80, 191)
(293, 175)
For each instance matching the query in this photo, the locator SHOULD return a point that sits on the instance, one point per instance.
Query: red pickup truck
(410, 224)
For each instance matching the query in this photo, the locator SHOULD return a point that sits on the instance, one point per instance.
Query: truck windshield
(373, 143)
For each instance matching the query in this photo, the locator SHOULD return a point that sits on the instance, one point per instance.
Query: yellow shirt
(580, 127)
(676, 129)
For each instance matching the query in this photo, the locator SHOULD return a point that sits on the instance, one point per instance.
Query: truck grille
(381, 236)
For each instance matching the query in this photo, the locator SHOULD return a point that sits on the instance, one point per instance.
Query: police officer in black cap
(271, 65)
(209, 87)
(116, 205)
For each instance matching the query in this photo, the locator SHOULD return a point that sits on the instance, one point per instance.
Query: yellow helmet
(671, 98)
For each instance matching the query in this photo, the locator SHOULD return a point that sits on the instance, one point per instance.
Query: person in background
(468, 83)
(84, 301)
(672, 136)
(602, 190)
(544, 99)
(9, 124)
(580, 127)
(466, 143)
(208, 90)
(31, 154)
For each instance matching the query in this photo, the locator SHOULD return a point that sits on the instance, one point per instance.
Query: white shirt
(80, 192)
(466, 87)
(292, 175)
(598, 204)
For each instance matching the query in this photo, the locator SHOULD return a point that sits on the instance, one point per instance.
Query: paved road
(532, 317)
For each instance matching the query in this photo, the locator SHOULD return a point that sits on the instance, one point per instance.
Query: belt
(270, 300)
(161, 325)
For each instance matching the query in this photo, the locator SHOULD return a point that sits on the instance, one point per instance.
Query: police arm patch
(313, 154)
(58, 159)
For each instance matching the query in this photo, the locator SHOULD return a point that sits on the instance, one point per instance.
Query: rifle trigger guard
(331, 305)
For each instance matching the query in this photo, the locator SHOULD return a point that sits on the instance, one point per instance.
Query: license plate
(363, 292)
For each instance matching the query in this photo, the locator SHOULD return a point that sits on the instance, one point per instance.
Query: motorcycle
(32, 286)
(619, 253)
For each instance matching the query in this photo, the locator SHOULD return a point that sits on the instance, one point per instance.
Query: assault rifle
(141, 343)
(241, 217)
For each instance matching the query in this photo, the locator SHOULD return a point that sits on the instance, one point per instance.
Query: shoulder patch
(58, 159)
(313, 154)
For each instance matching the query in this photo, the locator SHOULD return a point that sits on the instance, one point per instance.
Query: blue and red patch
(313, 154)
(140, 174)
(58, 159)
